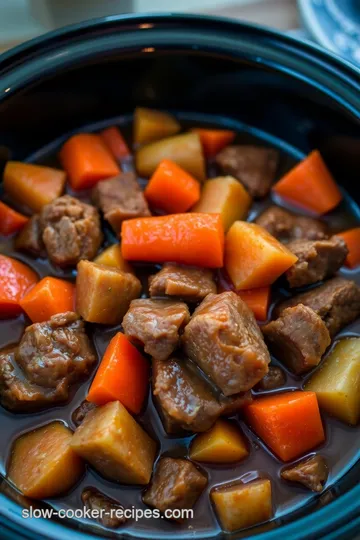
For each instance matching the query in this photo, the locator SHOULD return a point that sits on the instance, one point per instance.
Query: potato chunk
(151, 125)
(225, 196)
(243, 505)
(337, 382)
(103, 293)
(223, 443)
(114, 443)
(43, 463)
(112, 256)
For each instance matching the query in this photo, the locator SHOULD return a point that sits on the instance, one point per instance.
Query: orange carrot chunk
(194, 239)
(352, 240)
(172, 189)
(115, 142)
(310, 185)
(10, 220)
(49, 297)
(289, 423)
(258, 301)
(214, 140)
(87, 160)
(123, 375)
(16, 279)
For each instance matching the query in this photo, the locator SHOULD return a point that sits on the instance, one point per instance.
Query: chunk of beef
(120, 198)
(223, 338)
(156, 325)
(254, 166)
(176, 484)
(337, 302)
(30, 238)
(186, 400)
(286, 226)
(275, 378)
(185, 282)
(311, 473)
(317, 260)
(78, 416)
(110, 511)
(298, 338)
(71, 230)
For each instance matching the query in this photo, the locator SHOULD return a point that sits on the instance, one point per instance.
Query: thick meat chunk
(110, 511)
(30, 238)
(156, 325)
(337, 302)
(186, 282)
(71, 230)
(254, 166)
(120, 198)
(298, 338)
(176, 484)
(185, 400)
(286, 226)
(317, 260)
(223, 338)
(311, 473)
(78, 416)
(275, 378)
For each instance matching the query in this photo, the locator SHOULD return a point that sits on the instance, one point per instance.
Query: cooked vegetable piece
(185, 150)
(194, 239)
(10, 220)
(115, 142)
(16, 279)
(33, 185)
(254, 258)
(172, 189)
(151, 125)
(310, 185)
(104, 293)
(352, 240)
(225, 196)
(86, 159)
(123, 375)
(115, 445)
(243, 505)
(337, 382)
(289, 423)
(311, 473)
(258, 301)
(43, 463)
(49, 297)
(223, 443)
(111, 256)
(214, 140)
(186, 282)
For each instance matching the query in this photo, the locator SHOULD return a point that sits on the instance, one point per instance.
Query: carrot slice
(214, 140)
(172, 189)
(123, 375)
(115, 142)
(289, 423)
(10, 220)
(194, 239)
(49, 297)
(16, 279)
(87, 160)
(310, 185)
(258, 301)
(352, 240)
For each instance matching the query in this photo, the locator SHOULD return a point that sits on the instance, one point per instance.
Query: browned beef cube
(185, 282)
(176, 484)
(120, 198)
(317, 260)
(30, 238)
(71, 230)
(110, 511)
(275, 378)
(223, 338)
(311, 473)
(156, 325)
(286, 226)
(78, 416)
(337, 302)
(254, 166)
(185, 400)
(298, 338)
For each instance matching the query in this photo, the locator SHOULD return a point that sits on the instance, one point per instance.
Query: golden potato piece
(104, 293)
(243, 505)
(114, 443)
(225, 196)
(112, 256)
(223, 443)
(151, 125)
(43, 463)
(337, 382)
